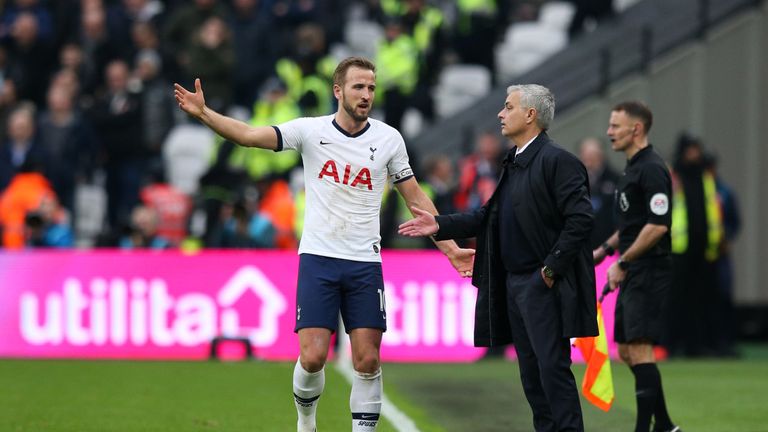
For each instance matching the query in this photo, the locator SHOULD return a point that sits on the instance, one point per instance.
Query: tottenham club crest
(373, 150)
(659, 204)
(623, 202)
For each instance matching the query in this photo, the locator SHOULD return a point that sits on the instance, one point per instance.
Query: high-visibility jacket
(430, 20)
(321, 88)
(397, 64)
(468, 8)
(23, 194)
(714, 219)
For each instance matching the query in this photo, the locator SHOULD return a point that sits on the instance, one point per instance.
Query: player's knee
(367, 362)
(624, 354)
(312, 362)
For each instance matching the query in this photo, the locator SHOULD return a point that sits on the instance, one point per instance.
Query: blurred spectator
(183, 26)
(479, 172)
(589, 12)
(99, 49)
(142, 231)
(173, 207)
(426, 25)
(69, 144)
(397, 71)
(697, 234)
(21, 145)
(24, 194)
(8, 103)
(117, 118)
(32, 55)
(122, 16)
(602, 184)
(441, 180)
(72, 69)
(475, 32)
(276, 202)
(34, 8)
(254, 51)
(157, 103)
(242, 229)
(48, 226)
(211, 57)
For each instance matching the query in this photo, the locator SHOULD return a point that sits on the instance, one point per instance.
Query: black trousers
(544, 355)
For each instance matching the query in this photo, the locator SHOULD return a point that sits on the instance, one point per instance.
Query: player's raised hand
(422, 225)
(191, 103)
(463, 261)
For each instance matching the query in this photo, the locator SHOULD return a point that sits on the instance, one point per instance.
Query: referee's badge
(623, 202)
(659, 204)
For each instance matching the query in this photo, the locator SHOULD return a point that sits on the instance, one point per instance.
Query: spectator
(69, 144)
(8, 103)
(117, 118)
(173, 206)
(697, 234)
(211, 57)
(157, 104)
(99, 49)
(32, 56)
(21, 145)
(586, 10)
(479, 172)
(24, 194)
(254, 51)
(602, 184)
(243, 229)
(48, 226)
(142, 232)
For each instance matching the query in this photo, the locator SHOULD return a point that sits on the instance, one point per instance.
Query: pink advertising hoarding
(169, 305)
(149, 305)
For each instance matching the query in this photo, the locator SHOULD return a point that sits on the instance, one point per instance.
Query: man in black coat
(533, 264)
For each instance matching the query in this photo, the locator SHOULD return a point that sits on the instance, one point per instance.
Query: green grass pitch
(83, 396)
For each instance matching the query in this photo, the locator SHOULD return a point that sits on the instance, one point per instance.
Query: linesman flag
(597, 386)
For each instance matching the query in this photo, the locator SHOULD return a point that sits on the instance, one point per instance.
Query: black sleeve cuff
(279, 139)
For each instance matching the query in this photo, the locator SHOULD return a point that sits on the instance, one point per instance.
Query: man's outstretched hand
(422, 225)
(191, 103)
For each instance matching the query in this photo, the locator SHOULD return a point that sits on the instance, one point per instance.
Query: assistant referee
(643, 270)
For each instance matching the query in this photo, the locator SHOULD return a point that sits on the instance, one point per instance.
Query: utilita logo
(137, 312)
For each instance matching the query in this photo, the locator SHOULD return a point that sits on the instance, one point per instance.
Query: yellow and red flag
(597, 386)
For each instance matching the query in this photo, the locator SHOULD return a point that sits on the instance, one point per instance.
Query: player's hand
(422, 225)
(615, 275)
(462, 260)
(191, 103)
(598, 255)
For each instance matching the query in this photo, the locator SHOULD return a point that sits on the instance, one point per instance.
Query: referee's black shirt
(644, 195)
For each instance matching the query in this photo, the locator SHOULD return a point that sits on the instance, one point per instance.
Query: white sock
(365, 401)
(307, 387)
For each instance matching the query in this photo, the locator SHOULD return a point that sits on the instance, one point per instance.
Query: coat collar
(525, 158)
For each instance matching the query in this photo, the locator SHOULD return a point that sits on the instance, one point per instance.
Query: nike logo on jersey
(325, 142)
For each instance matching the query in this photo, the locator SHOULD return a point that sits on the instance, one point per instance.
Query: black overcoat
(552, 205)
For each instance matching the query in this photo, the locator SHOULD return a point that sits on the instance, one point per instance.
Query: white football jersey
(345, 177)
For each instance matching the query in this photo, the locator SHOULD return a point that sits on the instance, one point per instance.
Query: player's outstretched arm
(193, 103)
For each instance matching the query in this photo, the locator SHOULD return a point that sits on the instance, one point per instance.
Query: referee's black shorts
(641, 300)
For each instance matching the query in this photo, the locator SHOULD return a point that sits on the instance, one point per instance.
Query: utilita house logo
(138, 312)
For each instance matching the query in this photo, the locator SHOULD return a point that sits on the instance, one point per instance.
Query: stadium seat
(460, 85)
(525, 46)
(187, 154)
(556, 14)
(363, 37)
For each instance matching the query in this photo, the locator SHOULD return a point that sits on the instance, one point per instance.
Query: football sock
(660, 414)
(307, 387)
(365, 401)
(647, 384)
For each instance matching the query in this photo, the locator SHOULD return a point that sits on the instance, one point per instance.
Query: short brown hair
(637, 110)
(340, 74)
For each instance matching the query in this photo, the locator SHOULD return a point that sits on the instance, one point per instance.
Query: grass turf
(83, 396)
(702, 396)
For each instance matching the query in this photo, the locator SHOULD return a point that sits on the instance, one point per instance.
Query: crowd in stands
(87, 116)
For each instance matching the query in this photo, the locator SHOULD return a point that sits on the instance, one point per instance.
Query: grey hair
(539, 98)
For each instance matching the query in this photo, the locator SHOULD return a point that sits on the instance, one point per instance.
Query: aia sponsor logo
(361, 179)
